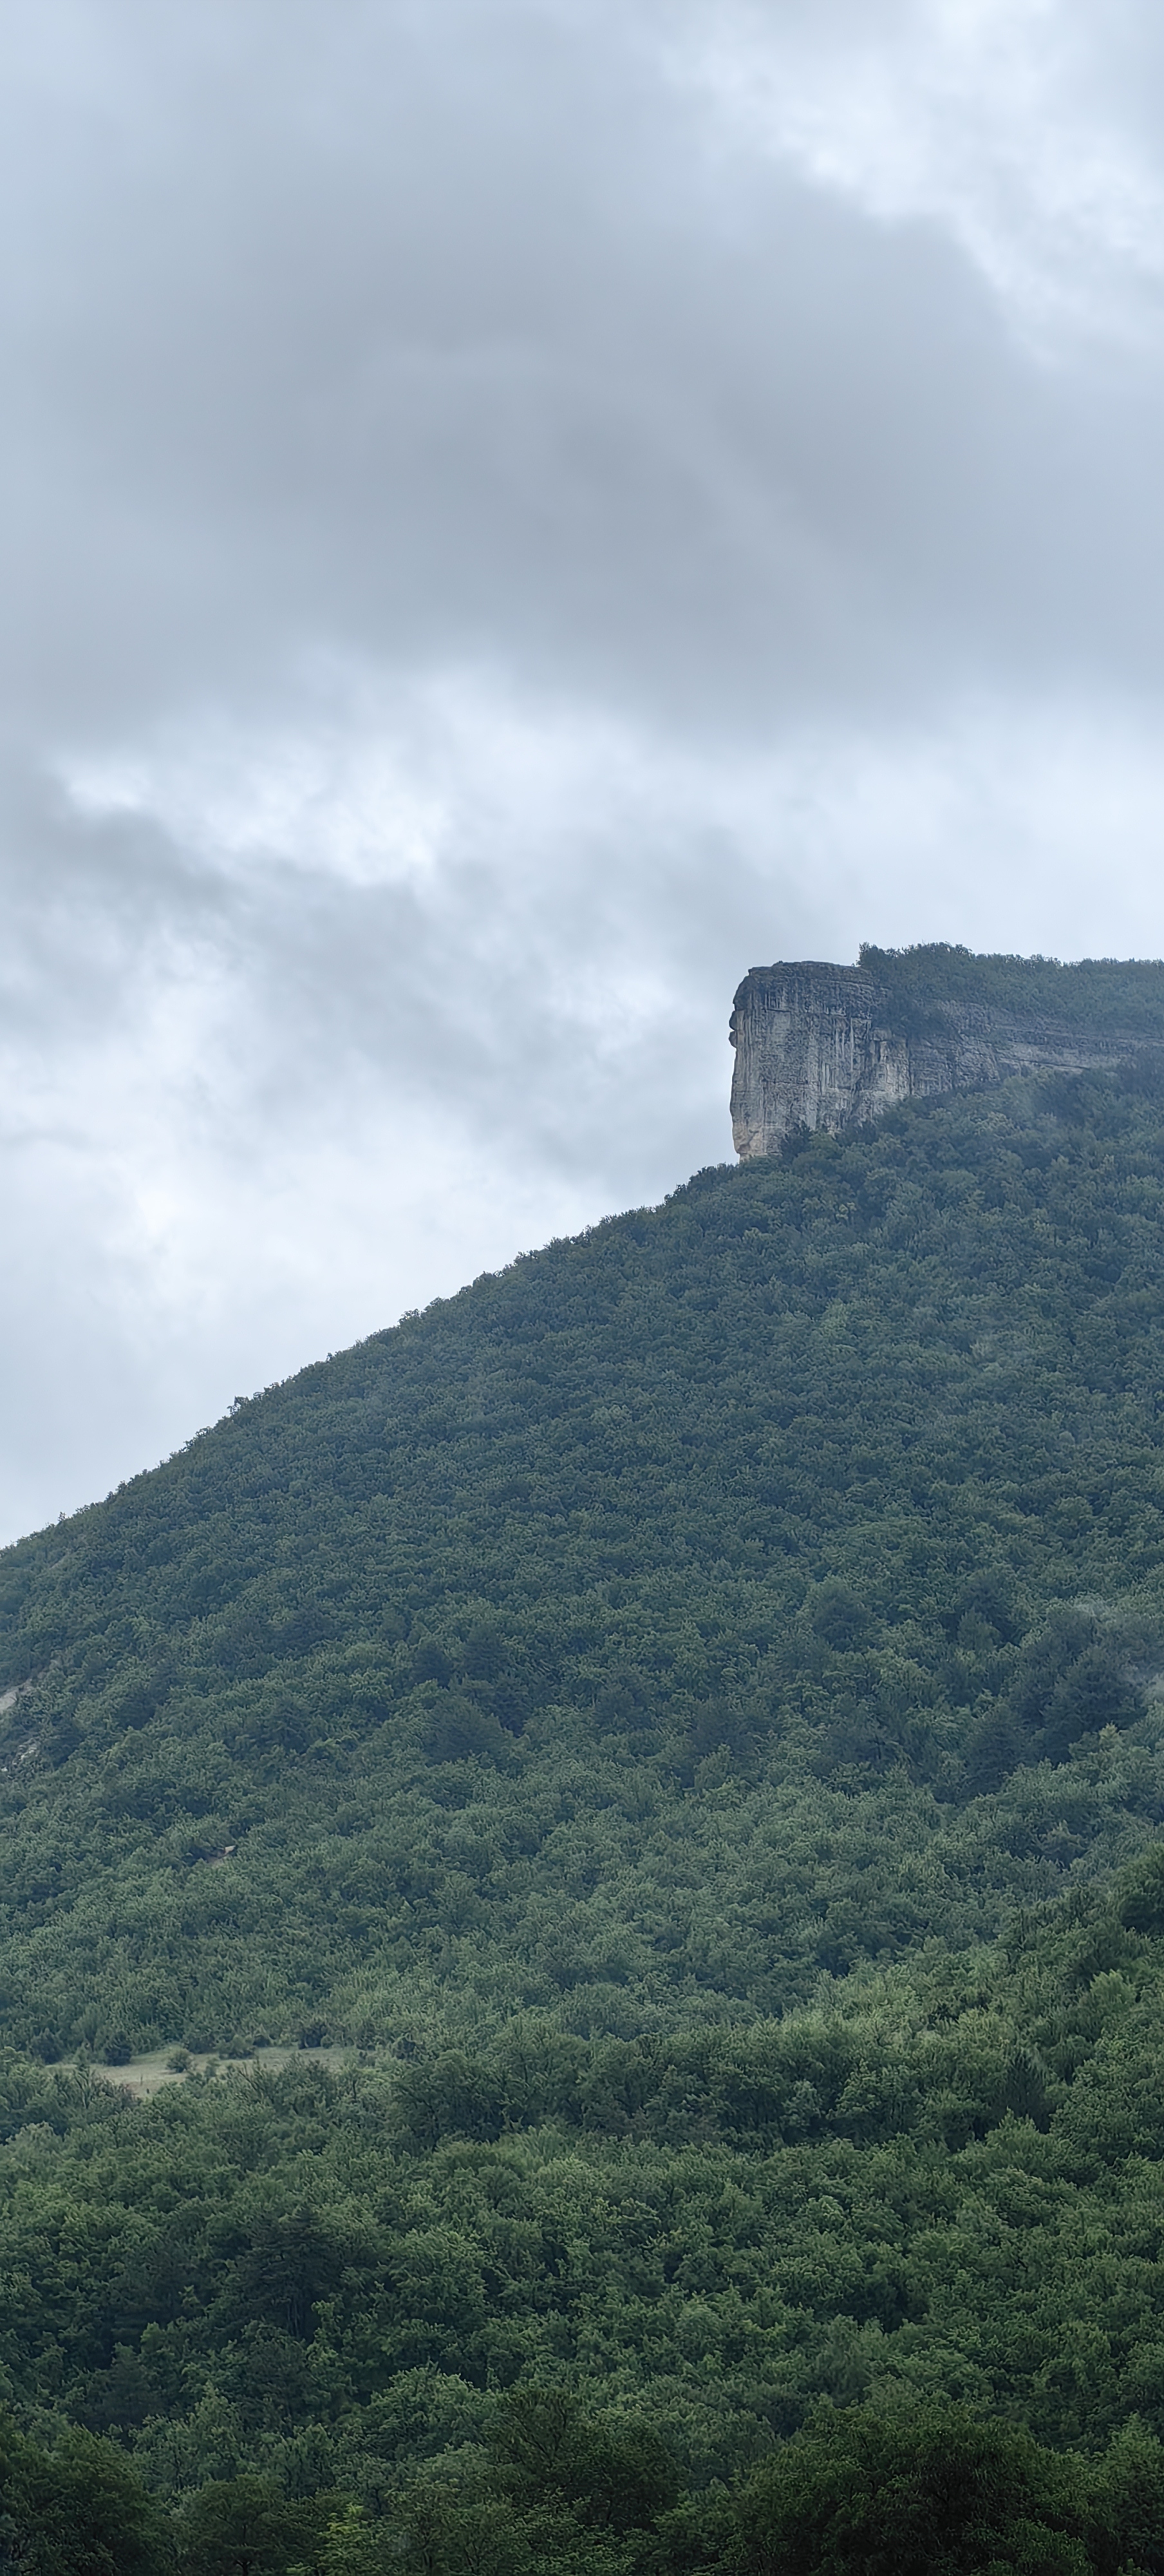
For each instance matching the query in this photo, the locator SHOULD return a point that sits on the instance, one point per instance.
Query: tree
(936, 2492)
(244, 2527)
(78, 2510)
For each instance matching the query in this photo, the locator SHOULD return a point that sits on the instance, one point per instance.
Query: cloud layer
(516, 512)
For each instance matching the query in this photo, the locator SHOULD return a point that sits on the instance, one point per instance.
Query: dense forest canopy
(1097, 993)
(680, 1723)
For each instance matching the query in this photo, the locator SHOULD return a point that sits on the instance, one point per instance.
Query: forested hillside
(684, 1716)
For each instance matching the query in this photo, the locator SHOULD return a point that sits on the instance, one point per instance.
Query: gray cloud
(513, 514)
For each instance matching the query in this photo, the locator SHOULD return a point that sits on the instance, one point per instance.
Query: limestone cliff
(833, 1046)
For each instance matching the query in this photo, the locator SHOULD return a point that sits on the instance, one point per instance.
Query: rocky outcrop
(834, 1046)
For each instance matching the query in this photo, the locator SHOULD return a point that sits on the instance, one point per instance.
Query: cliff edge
(834, 1046)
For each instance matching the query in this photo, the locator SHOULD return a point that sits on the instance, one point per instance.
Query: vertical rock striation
(833, 1046)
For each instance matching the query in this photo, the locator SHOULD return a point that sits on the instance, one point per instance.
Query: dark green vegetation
(685, 1715)
(693, 1608)
(1096, 993)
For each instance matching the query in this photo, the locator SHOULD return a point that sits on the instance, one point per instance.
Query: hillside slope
(685, 1711)
(758, 1586)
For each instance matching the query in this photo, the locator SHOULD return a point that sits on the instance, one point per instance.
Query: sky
(514, 512)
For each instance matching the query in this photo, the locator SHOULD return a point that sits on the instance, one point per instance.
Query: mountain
(683, 1717)
(694, 1607)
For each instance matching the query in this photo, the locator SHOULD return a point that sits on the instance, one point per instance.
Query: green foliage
(614, 2477)
(679, 1725)
(77, 2510)
(1125, 994)
(244, 2527)
(931, 2493)
(748, 1589)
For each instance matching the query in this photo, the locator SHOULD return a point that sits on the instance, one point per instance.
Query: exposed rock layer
(833, 1046)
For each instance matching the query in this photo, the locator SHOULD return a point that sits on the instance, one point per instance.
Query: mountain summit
(834, 1046)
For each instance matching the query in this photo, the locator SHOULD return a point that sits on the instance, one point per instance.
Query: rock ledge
(829, 1046)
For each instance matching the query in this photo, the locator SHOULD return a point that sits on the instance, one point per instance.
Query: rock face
(834, 1046)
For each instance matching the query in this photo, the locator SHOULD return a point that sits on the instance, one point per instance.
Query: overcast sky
(516, 511)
